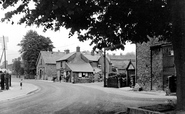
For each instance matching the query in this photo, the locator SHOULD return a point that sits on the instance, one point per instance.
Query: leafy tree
(17, 66)
(113, 22)
(31, 45)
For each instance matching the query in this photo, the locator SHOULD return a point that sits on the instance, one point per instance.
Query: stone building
(77, 67)
(46, 64)
(120, 64)
(154, 63)
(130, 74)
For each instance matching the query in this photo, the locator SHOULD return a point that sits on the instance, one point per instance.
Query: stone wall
(51, 71)
(157, 69)
(40, 67)
(143, 65)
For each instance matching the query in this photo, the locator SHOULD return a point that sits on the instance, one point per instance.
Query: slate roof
(120, 64)
(66, 56)
(120, 57)
(79, 65)
(78, 59)
(51, 57)
(82, 67)
(96, 69)
(92, 57)
(120, 61)
(88, 56)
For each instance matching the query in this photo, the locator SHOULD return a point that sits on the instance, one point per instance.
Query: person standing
(21, 83)
(72, 79)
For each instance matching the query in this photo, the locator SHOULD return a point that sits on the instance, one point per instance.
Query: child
(21, 83)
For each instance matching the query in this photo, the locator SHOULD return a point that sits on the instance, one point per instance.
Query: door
(40, 74)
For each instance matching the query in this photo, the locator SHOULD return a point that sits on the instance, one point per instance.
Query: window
(80, 75)
(83, 75)
(168, 51)
(171, 52)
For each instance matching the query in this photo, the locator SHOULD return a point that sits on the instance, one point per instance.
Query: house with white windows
(77, 67)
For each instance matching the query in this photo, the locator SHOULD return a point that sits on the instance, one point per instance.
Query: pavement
(16, 92)
(127, 91)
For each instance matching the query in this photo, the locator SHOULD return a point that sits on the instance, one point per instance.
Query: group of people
(5, 79)
(55, 79)
(65, 78)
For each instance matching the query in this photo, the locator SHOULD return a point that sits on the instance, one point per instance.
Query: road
(67, 98)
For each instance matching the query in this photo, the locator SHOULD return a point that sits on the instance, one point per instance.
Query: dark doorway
(40, 74)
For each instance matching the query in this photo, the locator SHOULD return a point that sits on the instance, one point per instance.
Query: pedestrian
(72, 79)
(21, 83)
(60, 78)
(53, 79)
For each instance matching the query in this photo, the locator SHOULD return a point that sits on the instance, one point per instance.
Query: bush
(112, 74)
(122, 75)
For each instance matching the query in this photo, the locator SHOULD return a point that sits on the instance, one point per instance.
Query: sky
(60, 39)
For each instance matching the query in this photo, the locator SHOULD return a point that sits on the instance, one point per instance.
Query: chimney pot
(77, 49)
(67, 51)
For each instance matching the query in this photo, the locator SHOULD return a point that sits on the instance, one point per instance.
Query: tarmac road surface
(67, 98)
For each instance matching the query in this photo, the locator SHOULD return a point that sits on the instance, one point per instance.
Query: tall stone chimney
(67, 51)
(77, 49)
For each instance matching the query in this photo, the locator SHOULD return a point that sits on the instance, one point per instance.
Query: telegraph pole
(4, 49)
(106, 76)
(3, 41)
(105, 79)
(5, 78)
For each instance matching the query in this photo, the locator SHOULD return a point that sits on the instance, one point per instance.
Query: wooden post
(151, 69)
(4, 49)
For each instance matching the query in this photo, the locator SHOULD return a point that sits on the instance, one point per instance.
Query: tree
(109, 23)
(31, 45)
(17, 68)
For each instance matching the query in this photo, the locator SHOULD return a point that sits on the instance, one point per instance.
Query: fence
(115, 81)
